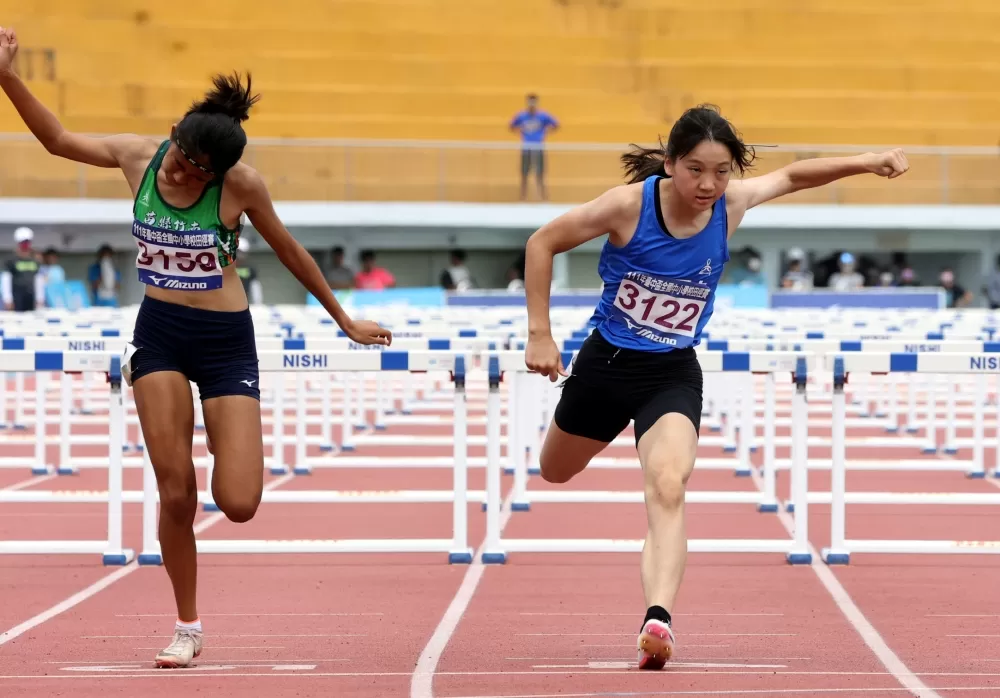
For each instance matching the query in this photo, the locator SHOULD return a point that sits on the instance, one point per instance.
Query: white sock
(193, 625)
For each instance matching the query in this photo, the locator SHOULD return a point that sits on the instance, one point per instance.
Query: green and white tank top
(182, 249)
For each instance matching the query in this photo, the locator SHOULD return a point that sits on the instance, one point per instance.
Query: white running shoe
(185, 647)
(656, 645)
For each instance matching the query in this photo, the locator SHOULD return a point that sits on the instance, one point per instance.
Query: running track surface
(564, 625)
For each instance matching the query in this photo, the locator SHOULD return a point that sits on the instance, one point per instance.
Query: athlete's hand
(368, 332)
(8, 49)
(543, 356)
(891, 163)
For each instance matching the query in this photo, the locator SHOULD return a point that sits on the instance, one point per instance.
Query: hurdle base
(742, 472)
(976, 474)
(325, 448)
(67, 471)
(20, 427)
(520, 506)
(729, 449)
(150, 559)
(538, 471)
(950, 450)
(799, 558)
(494, 558)
(210, 506)
(508, 471)
(302, 470)
(44, 470)
(279, 471)
(836, 556)
(460, 558)
(347, 447)
(892, 430)
(380, 427)
(927, 451)
(790, 507)
(768, 508)
(119, 559)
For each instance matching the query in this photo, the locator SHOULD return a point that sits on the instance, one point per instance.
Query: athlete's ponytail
(642, 163)
(701, 123)
(213, 126)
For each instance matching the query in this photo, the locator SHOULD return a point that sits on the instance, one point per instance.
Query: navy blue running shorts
(216, 350)
(608, 387)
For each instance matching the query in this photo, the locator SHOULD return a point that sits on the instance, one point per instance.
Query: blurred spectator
(533, 125)
(908, 277)
(22, 287)
(797, 277)
(339, 276)
(248, 274)
(371, 277)
(105, 280)
(885, 278)
(515, 273)
(992, 289)
(749, 272)
(955, 295)
(847, 278)
(52, 272)
(457, 277)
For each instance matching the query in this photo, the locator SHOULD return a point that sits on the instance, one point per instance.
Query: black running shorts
(216, 350)
(609, 386)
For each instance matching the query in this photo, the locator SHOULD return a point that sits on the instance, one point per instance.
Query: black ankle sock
(656, 613)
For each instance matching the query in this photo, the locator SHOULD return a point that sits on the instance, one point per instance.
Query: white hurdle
(795, 549)
(842, 366)
(42, 364)
(298, 362)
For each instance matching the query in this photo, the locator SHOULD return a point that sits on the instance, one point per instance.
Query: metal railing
(426, 170)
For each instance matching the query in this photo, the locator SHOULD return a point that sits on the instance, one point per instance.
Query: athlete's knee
(178, 494)
(556, 472)
(666, 482)
(239, 506)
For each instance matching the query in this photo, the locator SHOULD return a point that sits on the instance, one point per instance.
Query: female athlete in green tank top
(185, 249)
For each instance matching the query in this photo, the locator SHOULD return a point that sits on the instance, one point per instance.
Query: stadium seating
(612, 71)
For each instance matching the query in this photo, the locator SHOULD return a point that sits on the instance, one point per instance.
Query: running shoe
(185, 647)
(656, 645)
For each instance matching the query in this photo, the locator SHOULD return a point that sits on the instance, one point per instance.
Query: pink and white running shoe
(656, 645)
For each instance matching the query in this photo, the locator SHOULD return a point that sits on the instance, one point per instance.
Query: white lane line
(105, 582)
(245, 615)
(36, 480)
(167, 637)
(422, 680)
(675, 615)
(876, 643)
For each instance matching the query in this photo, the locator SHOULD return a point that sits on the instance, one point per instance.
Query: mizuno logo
(157, 279)
(249, 384)
(185, 285)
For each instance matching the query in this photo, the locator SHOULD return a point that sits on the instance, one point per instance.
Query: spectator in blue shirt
(533, 124)
(105, 280)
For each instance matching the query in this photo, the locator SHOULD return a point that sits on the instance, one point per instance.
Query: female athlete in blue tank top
(668, 230)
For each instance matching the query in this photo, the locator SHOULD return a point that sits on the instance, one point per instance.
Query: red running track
(561, 625)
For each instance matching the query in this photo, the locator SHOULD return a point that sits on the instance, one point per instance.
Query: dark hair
(212, 127)
(697, 124)
(367, 255)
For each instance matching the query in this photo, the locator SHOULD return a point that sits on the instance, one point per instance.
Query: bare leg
(163, 401)
(667, 454)
(234, 426)
(565, 455)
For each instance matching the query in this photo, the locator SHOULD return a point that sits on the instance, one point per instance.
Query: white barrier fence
(526, 413)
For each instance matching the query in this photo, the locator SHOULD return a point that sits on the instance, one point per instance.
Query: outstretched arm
(613, 213)
(260, 211)
(109, 151)
(816, 172)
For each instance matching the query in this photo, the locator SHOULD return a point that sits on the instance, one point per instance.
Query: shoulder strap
(152, 168)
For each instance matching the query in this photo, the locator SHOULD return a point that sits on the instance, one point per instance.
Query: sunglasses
(191, 159)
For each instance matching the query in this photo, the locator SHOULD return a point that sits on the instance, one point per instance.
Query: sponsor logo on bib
(176, 259)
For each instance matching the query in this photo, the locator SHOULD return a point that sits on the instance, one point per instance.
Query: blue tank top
(659, 291)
